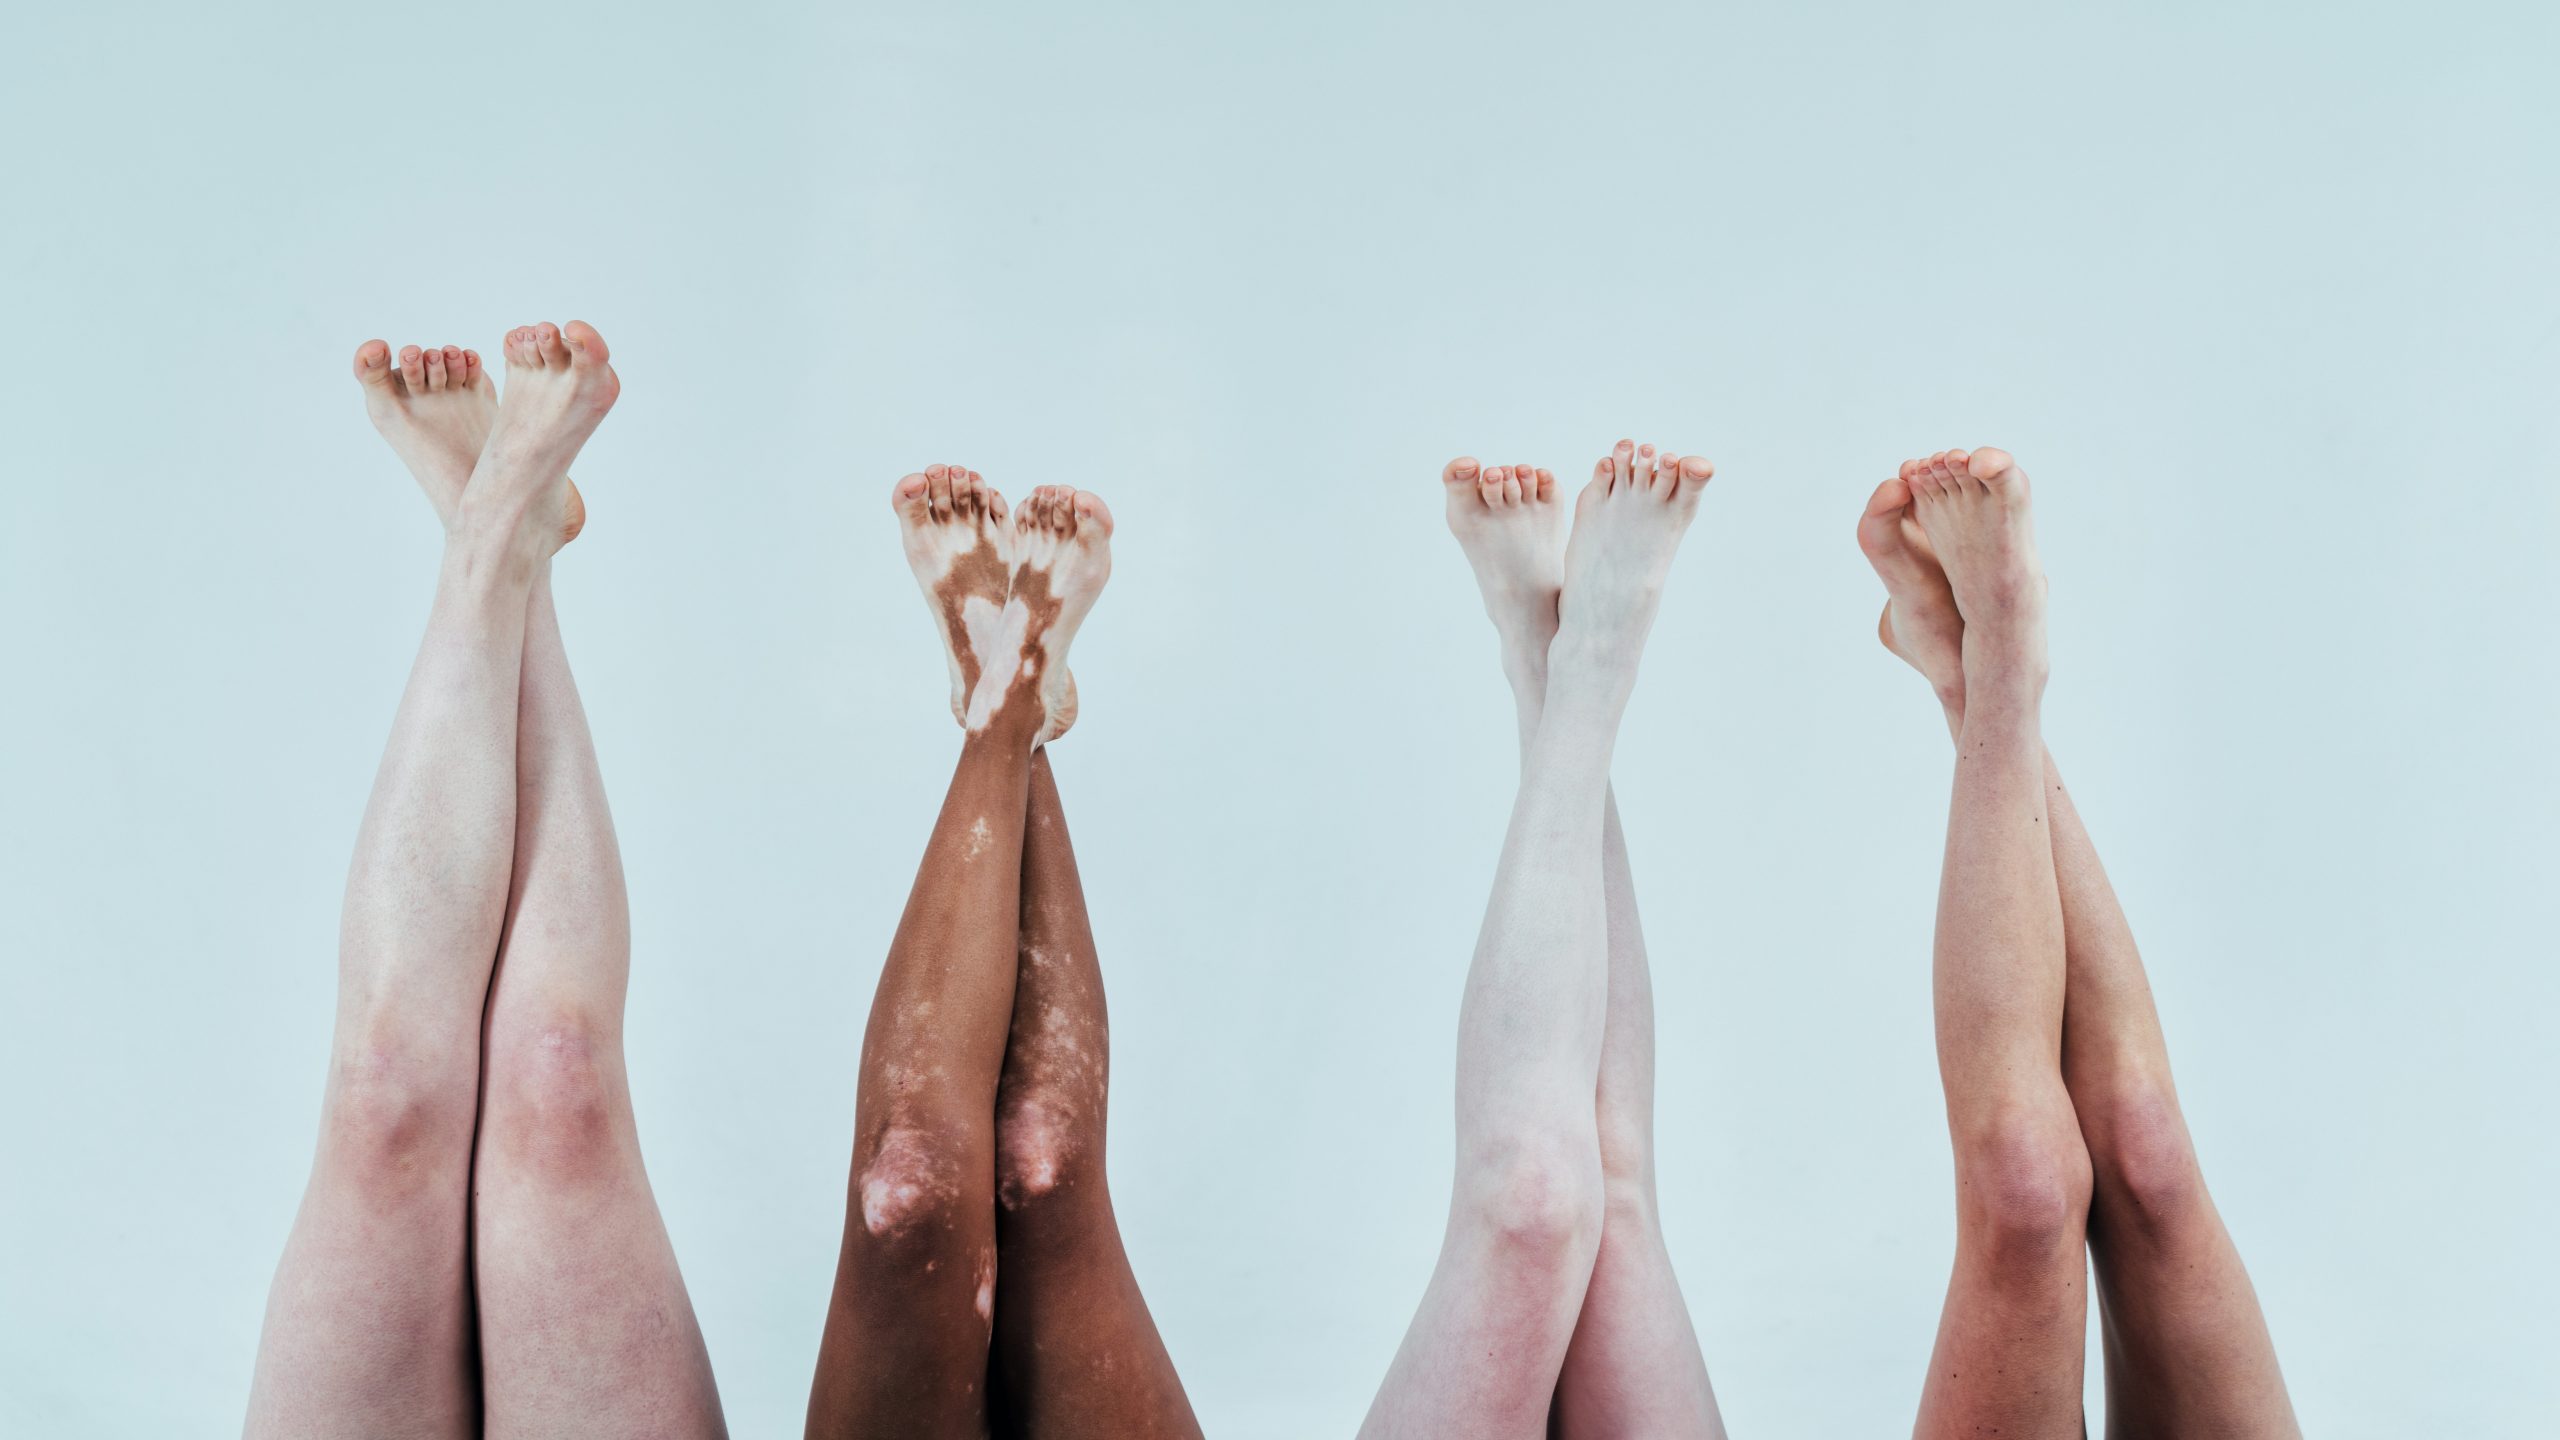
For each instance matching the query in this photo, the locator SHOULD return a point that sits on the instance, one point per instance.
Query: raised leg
(2187, 1348)
(905, 1353)
(1076, 1353)
(369, 1323)
(2008, 1354)
(585, 1325)
(1487, 1344)
(1633, 1367)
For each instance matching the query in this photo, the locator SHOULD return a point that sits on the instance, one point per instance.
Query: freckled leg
(2188, 1352)
(2010, 1339)
(1076, 1353)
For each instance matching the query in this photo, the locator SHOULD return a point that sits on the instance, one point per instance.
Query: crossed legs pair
(982, 1286)
(2068, 1139)
(1553, 1305)
(478, 1246)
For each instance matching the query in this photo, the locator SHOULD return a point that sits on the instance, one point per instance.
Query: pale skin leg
(906, 1351)
(584, 1318)
(2187, 1347)
(583, 1315)
(369, 1323)
(1633, 1367)
(1486, 1346)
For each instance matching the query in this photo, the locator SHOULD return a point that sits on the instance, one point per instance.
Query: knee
(2023, 1186)
(910, 1194)
(1539, 1199)
(556, 1103)
(1042, 1149)
(396, 1116)
(2146, 1164)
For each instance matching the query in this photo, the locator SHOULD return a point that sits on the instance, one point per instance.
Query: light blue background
(2262, 295)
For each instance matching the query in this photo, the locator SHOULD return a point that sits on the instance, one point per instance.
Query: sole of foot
(951, 525)
(1972, 507)
(560, 384)
(1627, 526)
(1061, 559)
(1920, 622)
(1511, 525)
(434, 407)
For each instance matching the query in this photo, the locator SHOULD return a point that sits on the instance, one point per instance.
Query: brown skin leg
(905, 1349)
(1076, 1353)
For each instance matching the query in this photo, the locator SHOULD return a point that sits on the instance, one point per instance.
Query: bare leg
(2187, 1348)
(1490, 1337)
(585, 1324)
(584, 1321)
(905, 1353)
(1633, 1367)
(2008, 1356)
(1076, 1353)
(369, 1323)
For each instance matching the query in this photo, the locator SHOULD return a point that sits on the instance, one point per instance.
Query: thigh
(585, 1326)
(2010, 1350)
(1076, 1350)
(2187, 1348)
(1486, 1344)
(369, 1324)
(1634, 1367)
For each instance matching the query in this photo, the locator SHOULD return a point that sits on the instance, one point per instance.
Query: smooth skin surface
(1553, 1301)
(2069, 1143)
(527, 1289)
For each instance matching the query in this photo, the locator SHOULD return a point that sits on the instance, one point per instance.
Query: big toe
(373, 362)
(907, 497)
(1093, 518)
(1880, 528)
(586, 347)
(1461, 471)
(1991, 466)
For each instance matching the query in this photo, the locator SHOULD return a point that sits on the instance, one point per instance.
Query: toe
(1461, 471)
(1091, 514)
(373, 363)
(1992, 466)
(456, 372)
(907, 497)
(474, 373)
(546, 343)
(1880, 527)
(1546, 485)
(1694, 471)
(1622, 464)
(937, 492)
(433, 360)
(586, 347)
(994, 502)
(1511, 485)
(413, 367)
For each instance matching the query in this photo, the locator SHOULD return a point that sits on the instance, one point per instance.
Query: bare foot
(1512, 528)
(559, 386)
(1626, 527)
(1061, 557)
(435, 408)
(1972, 506)
(951, 524)
(1920, 622)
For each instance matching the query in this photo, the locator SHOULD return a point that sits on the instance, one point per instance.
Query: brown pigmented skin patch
(980, 573)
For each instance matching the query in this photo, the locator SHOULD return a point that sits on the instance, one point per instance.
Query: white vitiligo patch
(986, 1296)
(995, 637)
(1038, 1113)
(903, 1182)
(980, 837)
